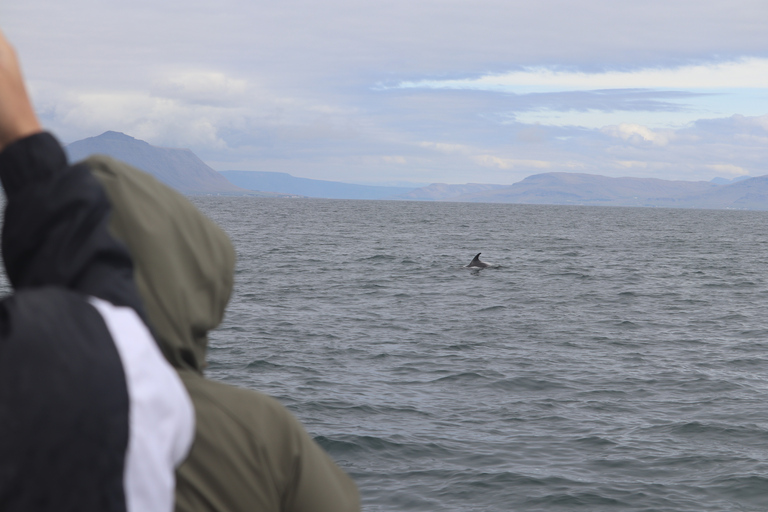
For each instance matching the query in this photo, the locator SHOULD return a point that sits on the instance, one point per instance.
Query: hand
(17, 117)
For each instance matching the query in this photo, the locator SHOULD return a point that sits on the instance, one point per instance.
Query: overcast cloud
(454, 91)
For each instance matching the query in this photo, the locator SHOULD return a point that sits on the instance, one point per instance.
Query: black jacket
(66, 395)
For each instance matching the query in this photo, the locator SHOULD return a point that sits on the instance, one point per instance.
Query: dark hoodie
(249, 452)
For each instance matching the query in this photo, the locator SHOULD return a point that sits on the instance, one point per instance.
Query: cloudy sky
(453, 91)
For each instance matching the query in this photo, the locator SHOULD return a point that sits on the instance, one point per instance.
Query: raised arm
(17, 117)
(55, 230)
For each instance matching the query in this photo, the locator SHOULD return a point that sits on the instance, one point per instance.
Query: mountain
(184, 171)
(442, 191)
(178, 168)
(725, 181)
(589, 189)
(287, 184)
(574, 188)
(748, 194)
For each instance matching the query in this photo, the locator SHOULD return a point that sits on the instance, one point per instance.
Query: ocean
(612, 359)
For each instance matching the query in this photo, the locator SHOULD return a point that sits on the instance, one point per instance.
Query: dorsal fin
(475, 260)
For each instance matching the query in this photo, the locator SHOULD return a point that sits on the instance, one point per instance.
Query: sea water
(610, 359)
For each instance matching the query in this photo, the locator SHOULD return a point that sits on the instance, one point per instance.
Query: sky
(411, 91)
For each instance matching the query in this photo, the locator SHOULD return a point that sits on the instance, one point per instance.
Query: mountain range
(183, 170)
(287, 184)
(178, 168)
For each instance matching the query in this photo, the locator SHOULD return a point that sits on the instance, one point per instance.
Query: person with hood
(92, 417)
(249, 453)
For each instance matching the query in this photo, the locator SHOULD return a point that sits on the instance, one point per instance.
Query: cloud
(161, 120)
(511, 163)
(346, 40)
(202, 87)
(632, 164)
(394, 159)
(742, 73)
(730, 169)
(443, 147)
(658, 97)
(311, 87)
(624, 100)
(636, 133)
(599, 108)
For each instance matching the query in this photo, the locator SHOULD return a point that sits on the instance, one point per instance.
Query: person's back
(249, 452)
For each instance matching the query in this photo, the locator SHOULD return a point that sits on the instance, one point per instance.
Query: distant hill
(589, 189)
(748, 194)
(725, 181)
(442, 191)
(178, 168)
(287, 184)
(184, 171)
(574, 188)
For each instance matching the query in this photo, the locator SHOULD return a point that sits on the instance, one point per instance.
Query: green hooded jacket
(249, 452)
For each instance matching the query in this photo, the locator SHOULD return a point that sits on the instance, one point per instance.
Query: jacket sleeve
(55, 230)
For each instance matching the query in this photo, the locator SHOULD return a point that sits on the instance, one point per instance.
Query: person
(92, 417)
(249, 452)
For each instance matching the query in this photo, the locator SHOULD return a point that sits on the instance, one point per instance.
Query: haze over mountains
(183, 170)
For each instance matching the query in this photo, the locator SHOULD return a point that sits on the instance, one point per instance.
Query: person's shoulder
(52, 319)
(41, 305)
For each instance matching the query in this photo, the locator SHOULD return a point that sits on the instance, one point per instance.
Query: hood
(184, 263)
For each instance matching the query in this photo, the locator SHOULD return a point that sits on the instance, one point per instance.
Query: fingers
(17, 117)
